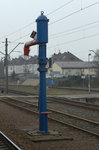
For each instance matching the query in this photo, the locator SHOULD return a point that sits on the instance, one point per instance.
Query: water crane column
(42, 39)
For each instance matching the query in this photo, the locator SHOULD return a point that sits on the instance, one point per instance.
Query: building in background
(63, 64)
(22, 70)
(71, 68)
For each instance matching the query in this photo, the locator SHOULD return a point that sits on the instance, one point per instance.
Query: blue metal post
(42, 39)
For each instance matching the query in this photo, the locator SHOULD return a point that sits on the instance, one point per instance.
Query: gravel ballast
(15, 123)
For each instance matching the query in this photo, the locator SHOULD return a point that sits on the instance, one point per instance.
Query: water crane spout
(27, 47)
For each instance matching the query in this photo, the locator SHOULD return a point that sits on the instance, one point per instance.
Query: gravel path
(14, 123)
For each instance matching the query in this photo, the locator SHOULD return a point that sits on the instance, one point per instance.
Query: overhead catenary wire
(17, 31)
(31, 23)
(70, 33)
(48, 14)
(74, 28)
(73, 13)
(20, 29)
(21, 37)
(53, 11)
(66, 34)
(93, 35)
(69, 30)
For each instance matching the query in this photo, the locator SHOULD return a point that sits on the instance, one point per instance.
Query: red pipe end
(27, 45)
(26, 51)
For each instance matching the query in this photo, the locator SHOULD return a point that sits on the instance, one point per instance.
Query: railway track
(75, 89)
(17, 92)
(6, 143)
(74, 103)
(59, 100)
(74, 121)
(61, 88)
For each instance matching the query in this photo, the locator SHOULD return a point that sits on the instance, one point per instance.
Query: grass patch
(50, 91)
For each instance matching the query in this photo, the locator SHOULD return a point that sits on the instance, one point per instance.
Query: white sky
(15, 15)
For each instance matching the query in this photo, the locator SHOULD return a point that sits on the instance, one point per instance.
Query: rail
(6, 143)
(74, 121)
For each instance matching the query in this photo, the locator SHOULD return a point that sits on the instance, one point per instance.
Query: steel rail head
(13, 144)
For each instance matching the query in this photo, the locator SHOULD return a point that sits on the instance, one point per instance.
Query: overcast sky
(73, 28)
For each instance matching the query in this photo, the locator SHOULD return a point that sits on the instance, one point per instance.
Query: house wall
(57, 68)
(79, 71)
(70, 71)
(92, 71)
(21, 69)
(32, 68)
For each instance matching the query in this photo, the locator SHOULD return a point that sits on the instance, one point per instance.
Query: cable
(74, 32)
(73, 13)
(76, 40)
(33, 23)
(60, 7)
(21, 37)
(49, 14)
(59, 32)
(17, 30)
(74, 28)
(63, 35)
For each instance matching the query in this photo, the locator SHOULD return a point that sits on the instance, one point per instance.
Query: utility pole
(6, 63)
(6, 54)
(94, 53)
(89, 73)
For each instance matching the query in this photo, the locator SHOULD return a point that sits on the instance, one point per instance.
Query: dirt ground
(16, 123)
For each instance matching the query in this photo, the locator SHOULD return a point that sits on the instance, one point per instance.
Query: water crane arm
(27, 47)
(31, 43)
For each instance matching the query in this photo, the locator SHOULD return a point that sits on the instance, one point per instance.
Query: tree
(14, 76)
(26, 69)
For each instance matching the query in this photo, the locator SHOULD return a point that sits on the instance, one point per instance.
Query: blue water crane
(41, 39)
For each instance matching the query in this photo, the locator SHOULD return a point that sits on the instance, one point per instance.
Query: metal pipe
(27, 47)
(31, 43)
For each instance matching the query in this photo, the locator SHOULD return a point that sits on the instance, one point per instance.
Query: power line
(75, 12)
(17, 30)
(49, 14)
(34, 22)
(86, 37)
(60, 7)
(60, 32)
(66, 31)
(11, 43)
(21, 37)
(74, 28)
(65, 34)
